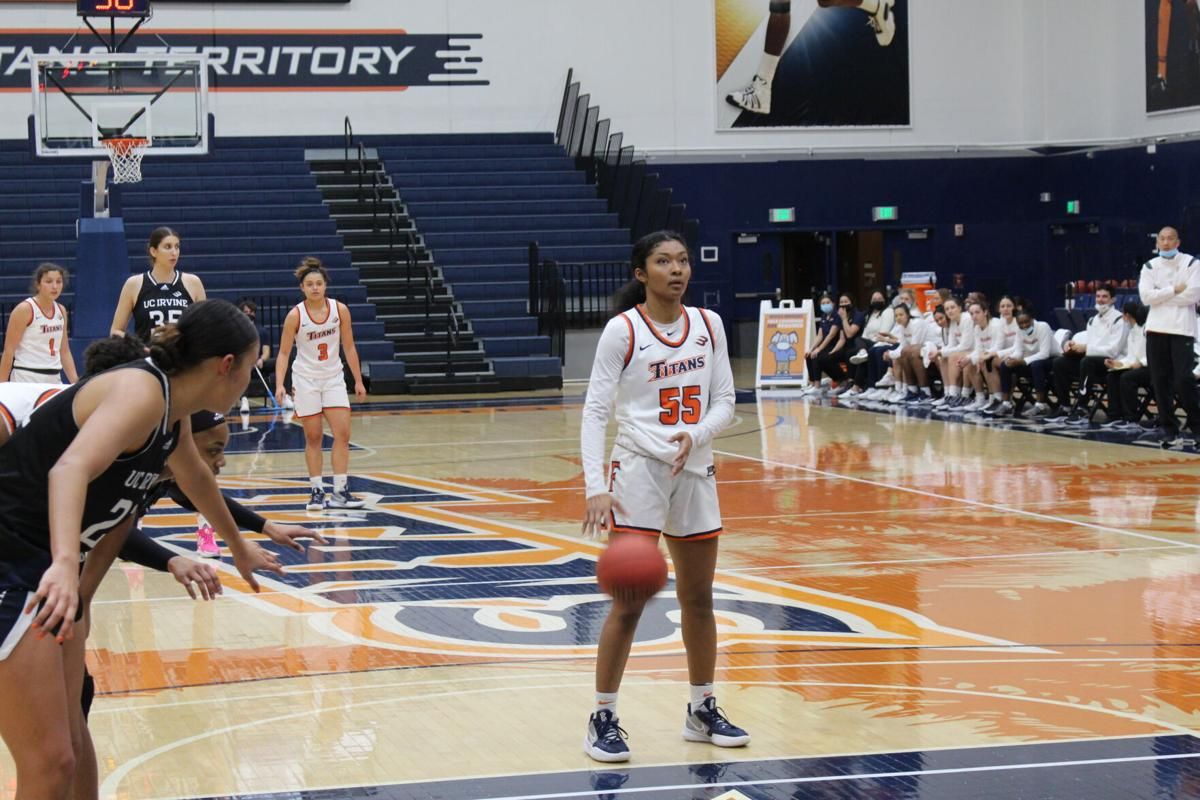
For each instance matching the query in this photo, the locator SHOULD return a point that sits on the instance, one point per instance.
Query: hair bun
(166, 342)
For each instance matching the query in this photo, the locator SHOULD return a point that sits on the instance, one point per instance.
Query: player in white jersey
(19, 400)
(667, 369)
(36, 349)
(321, 331)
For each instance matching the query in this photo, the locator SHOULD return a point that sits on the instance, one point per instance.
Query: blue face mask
(826, 308)
(1169, 253)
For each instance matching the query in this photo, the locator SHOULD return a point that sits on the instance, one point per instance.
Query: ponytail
(631, 294)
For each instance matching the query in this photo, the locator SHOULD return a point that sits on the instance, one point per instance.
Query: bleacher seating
(478, 200)
(251, 209)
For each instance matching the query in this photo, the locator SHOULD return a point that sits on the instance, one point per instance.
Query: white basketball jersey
(664, 387)
(39, 347)
(318, 344)
(19, 400)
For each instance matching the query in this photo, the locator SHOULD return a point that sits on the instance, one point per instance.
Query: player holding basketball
(159, 295)
(320, 328)
(35, 344)
(666, 367)
(756, 96)
(93, 451)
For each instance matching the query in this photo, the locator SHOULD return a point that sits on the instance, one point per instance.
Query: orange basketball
(632, 567)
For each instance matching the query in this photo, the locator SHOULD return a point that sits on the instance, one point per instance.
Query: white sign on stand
(784, 334)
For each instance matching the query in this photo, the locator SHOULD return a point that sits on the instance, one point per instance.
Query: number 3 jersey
(158, 304)
(25, 464)
(663, 379)
(318, 344)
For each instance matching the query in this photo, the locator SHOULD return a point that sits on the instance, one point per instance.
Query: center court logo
(418, 571)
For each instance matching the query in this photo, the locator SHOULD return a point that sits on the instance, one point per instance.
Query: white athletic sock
(606, 701)
(999, 398)
(953, 391)
(925, 390)
(766, 69)
(902, 387)
(869, 6)
(317, 483)
(700, 693)
(339, 483)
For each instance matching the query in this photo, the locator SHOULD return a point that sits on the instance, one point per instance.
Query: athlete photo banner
(811, 63)
(1172, 55)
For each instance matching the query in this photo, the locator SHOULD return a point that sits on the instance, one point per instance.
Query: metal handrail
(452, 331)
(348, 131)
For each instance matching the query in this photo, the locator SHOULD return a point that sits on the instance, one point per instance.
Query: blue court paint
(1140, 768)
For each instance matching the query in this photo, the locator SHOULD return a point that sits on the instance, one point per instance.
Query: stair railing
(452, 332)
(348, 131)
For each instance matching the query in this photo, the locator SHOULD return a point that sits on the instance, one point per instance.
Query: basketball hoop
(125, 153)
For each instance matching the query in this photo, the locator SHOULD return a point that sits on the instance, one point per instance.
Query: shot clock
(113, 8)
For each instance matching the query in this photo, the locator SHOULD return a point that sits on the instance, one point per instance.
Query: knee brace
(781, 6)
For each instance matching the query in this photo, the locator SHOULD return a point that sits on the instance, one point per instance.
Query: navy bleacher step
(503, 208)
(342, 194)
(528, 222)
(514, 255)
(234, 228)
(486, 152)
(465, 179)
(504, 346)
(379, 350)
(208, 183)
(459, 194)
(505, 326)
(527, 366)
(399, 167)
(242, 197)
(248, 245)
(522, 238)
(478, 309)
(386, 377)
(511, 290)
(339, 177)
(363, 254)
(270, 266)
(140, 212)
(485, 273)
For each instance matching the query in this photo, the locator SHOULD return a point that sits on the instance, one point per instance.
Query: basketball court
(907, 608)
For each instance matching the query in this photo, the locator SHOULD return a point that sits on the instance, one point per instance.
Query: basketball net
(126, 153)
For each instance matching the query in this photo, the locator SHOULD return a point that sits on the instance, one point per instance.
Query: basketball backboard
(80, 99)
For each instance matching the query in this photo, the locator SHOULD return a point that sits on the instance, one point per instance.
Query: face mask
(878, 305)
(1103, 307)
(1169, 253)
(826, 308)
(1027, 332)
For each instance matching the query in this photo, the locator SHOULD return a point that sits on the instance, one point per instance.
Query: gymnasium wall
(648, 63)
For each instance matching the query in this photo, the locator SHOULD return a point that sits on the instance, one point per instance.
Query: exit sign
(885, 213)
(783, 215)
(1073, 206)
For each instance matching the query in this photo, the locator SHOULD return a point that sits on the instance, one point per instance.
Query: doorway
(860, 267)
(805, 265)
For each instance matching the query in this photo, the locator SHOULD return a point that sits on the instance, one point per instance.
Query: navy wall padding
(101, 267)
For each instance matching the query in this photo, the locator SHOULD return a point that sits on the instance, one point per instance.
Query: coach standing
(1170, 286)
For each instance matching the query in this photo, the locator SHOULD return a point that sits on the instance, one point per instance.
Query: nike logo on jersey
(643, 347)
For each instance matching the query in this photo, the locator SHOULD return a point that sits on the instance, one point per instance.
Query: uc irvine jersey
(664, 387)
(40, 346)
(159, 304)
(19, 400)
(25, 463)
(318, 344)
